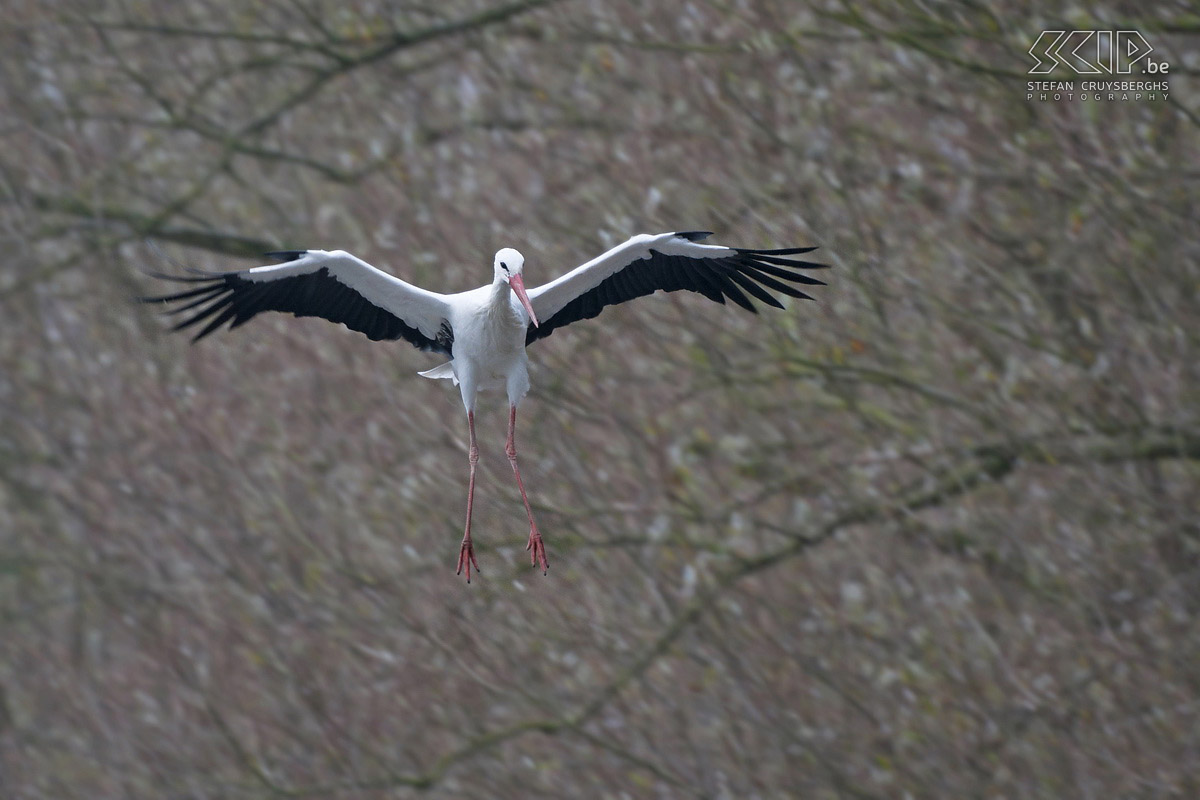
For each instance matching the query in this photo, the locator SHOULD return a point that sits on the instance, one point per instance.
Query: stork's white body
(485, 331)
(489, 326)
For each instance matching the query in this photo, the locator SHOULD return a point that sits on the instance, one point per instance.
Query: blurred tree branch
(984, 464)
(345, 54)
(139, 225)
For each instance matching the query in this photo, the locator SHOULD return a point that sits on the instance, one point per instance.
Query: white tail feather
(441, 371)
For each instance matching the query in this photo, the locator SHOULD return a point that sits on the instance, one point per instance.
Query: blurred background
(936, 534)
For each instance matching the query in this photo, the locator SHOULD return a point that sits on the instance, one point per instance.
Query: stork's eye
(504, 266)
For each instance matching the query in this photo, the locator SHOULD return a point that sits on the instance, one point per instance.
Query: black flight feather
(227, 297)
(284, 256)
(719, 278)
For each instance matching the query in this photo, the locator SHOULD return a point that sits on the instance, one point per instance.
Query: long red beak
(518, 287)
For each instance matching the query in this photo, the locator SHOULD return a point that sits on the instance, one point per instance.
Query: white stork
(484, 331)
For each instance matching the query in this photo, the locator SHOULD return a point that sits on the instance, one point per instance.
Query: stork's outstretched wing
(668, 262)
(315, 283)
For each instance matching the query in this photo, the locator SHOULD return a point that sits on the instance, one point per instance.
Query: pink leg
(466, 554)
(537, 549)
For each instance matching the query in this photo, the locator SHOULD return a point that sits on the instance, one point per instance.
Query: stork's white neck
(500, 291)
(501, 300)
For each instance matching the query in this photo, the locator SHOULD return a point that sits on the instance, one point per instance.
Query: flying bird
(484, 332)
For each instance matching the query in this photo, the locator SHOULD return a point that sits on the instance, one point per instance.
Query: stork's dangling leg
(466, 554)
(537, 550)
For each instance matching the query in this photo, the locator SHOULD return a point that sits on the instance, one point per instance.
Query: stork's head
(509, 265)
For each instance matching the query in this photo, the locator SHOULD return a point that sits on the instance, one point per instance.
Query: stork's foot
(537, 550)
(466, 558)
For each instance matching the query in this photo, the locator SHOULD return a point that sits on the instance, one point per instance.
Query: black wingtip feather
(285, 256)
(200, 276)
(748, 283)
(786, 274)
(187, 295)
(786, 251)
(793, 263)
(694, 236)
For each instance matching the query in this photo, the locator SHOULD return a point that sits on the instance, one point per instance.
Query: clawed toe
(466, 558)
(537, 550)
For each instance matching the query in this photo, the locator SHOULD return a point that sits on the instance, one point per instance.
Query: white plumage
(484, 331)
